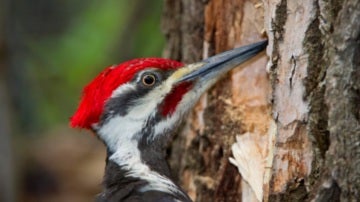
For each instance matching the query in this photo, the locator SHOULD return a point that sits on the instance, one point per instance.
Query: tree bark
(291, 119)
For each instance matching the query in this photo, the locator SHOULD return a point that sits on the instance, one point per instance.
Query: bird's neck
(135, 168)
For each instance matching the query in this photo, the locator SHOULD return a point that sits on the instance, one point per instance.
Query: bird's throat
(139, 172)
(136, 159)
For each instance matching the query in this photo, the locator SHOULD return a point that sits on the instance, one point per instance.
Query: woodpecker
(134, 108)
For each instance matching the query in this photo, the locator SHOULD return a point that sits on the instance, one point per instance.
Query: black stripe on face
(122, 103)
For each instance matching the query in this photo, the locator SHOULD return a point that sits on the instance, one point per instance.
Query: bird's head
(145, 99)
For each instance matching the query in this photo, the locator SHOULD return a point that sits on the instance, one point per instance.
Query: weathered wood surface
(295, 112)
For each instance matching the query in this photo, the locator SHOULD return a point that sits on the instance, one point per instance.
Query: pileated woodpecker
(134, 107)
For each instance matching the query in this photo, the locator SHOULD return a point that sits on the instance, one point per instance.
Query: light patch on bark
(234, 106)
(253, 158)
(247, 193)
(293, 155)
(249, 158)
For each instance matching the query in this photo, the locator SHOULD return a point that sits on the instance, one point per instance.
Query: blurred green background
(50, 49)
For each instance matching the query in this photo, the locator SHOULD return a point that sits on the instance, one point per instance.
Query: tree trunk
(290, 119)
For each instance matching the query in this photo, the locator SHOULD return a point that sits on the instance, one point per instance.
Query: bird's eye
(148, 79)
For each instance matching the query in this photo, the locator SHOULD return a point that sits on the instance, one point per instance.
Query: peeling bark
(293, 124)
(204, 144)
(289, 68)
(308, 57)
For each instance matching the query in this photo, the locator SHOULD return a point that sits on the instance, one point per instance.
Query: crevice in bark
(230, 184)
(355, 89)
(295, 191)
(314, 94)
(326, 189)
(217, 151)
(342, 98)
(280, 20)
(277, 26)
(312, 70)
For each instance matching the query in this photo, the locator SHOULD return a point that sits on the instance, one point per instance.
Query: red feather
(98, 91)
(174, 97)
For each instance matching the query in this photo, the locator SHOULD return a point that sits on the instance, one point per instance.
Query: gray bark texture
(294, 112)
(340, 177)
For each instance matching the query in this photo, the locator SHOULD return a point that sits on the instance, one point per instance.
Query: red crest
(98, 91)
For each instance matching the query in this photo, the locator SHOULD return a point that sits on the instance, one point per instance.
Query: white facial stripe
(119, 131)
(187, 102)
(118, 135)
(121, 89)
(122, 128)
(137, 169)
(147, 105)
(145, 108)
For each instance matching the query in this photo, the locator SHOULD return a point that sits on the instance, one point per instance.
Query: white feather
(119, 132)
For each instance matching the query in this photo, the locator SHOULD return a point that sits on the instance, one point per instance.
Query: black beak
(215, 66)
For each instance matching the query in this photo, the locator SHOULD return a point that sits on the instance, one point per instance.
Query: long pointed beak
(213, 67)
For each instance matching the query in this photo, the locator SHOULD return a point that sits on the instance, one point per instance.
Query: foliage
(62, 64)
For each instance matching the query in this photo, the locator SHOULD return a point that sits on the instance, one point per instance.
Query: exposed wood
(289, 66)
(308, 62)
(295, 119)
(204, 146)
